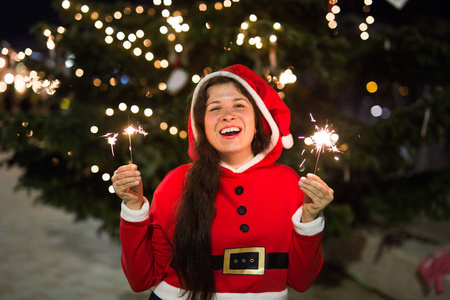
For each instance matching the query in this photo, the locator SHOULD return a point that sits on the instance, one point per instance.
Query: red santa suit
(259, 245)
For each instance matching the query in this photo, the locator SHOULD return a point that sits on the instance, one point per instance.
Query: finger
(125, 168)
(119, 176)
(314, 189)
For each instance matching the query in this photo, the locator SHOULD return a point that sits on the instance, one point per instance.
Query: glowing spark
(112, 138)
(323, 138)
(131, 130)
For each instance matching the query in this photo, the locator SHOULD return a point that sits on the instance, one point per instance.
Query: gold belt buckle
(229, 261)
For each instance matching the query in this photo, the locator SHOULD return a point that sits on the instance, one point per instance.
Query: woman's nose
(228, 115)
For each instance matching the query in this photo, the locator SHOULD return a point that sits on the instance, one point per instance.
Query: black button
(242, 210)
(244, 228)
(239, 190)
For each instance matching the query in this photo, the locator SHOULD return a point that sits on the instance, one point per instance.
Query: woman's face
(230, 124)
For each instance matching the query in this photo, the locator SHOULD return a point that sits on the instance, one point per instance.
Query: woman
(233, 224)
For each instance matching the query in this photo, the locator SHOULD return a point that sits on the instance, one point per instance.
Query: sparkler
(131, 130)
(323, 138)
(112, 138)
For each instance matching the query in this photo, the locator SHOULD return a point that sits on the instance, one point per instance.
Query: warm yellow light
(98, 24)
(163, 29)
(3, 86)
(122, 106)
(173, 130)
(164, 63)
(9, 78)
(148, 112)
(330, 17)
(106, 177)
(244, 25)
(97, 82)
(162, 86)
(372, 87)
(149, 56)
(137, 51)
(84, 8)
(202, 7)
(218, 6)
(134, 109)
(163, 125)
(132, 37)
(227, 3)
(94, 15)
(120, 36)
(117, 15)
(165, 13)
(94, 129)
(335, 9)
(79, 72)
(109, 112)
(147, 43)
(65, 4)
(370, 20)
(308, 141)
(109, 39)
(363, 26)
(2, 62)
(78, 16)
(273, 38)
(364, 35)
(195, 78)
(61, 30)
(113, 82)
(253, 18)
(139, 9)
(47, 32)
(109, 30)
(276, 26)
(140, 33)
(127, 44)
(171, 37)
(178, 48)
(332, 24)
(183, 134)
(95, 169)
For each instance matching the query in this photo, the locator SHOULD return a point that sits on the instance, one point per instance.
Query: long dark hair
(195, 214)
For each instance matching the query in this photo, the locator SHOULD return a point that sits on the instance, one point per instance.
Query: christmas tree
(107, 66)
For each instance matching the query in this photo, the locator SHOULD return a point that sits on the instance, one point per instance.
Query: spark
(130, 130)
(323, 139)
(112, 138)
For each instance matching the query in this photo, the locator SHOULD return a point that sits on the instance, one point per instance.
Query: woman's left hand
(317, 196)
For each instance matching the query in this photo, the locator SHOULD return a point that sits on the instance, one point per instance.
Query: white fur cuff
(310, 228)
(132, 215)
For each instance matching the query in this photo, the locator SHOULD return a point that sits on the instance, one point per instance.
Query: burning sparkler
(112, 138)
(323, 138)
(131, 130)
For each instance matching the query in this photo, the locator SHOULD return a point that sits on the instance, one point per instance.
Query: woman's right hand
(128, 186)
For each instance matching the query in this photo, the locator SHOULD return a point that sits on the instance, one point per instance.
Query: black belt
(249, 261)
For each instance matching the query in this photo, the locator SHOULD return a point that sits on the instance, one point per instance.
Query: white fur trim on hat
(287, 141)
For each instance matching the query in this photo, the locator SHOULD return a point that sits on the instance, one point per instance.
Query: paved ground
(44, 254)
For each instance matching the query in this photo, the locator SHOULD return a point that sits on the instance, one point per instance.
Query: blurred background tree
(379, 80)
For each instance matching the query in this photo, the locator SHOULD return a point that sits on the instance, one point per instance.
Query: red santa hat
(276, 115)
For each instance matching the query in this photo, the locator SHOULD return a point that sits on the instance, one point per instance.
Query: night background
(376, 72)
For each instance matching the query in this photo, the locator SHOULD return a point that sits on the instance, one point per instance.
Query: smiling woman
(233, 224)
